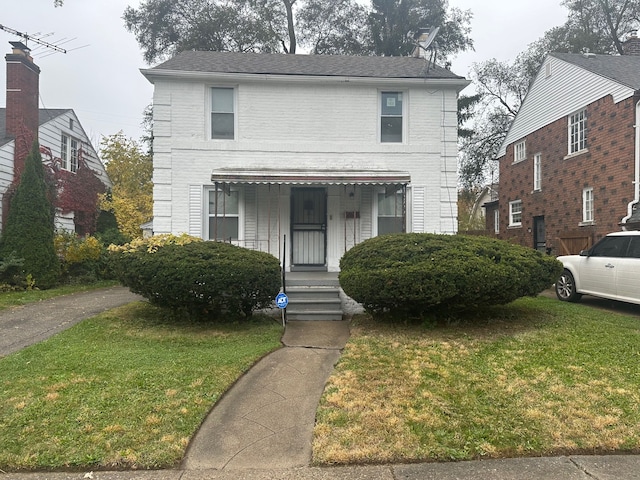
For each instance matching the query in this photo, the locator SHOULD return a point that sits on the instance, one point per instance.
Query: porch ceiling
(312, 177)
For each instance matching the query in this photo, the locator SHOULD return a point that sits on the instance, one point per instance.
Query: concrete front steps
(313, 296)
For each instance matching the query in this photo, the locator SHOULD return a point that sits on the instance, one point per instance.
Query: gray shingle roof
(307, 65)
(45, 114)
(624, 69)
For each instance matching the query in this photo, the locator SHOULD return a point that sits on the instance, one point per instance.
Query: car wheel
(566, 288)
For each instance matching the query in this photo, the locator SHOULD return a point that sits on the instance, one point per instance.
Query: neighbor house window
(515, 213)
(519, 151)
(587, 205)
(578, 131)
(390, 213)
(69, 153)
(496, 221)
(391, 117)
(222, 113)
(223, 215)
(537, 172)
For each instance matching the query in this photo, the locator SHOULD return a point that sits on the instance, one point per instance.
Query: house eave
(154, 74)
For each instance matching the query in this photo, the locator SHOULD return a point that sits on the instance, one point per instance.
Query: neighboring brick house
(58, 131)
(325, 150)
(570, 163)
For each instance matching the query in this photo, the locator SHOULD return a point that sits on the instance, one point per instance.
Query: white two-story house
(303, 156)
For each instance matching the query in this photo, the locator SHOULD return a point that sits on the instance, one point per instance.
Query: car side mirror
(584, 253)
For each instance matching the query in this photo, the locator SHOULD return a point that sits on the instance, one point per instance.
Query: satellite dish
(430, 38)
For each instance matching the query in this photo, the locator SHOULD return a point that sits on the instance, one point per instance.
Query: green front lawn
(126, 389)
(537, 377)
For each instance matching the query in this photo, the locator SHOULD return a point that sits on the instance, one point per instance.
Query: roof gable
(304, 65)
(567, 83)
(44, 115)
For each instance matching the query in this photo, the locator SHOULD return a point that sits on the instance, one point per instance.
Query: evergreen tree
(29, 229)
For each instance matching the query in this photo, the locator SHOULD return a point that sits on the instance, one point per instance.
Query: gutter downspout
(636, 179)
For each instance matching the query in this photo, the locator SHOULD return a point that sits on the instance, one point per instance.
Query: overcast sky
(99, 76)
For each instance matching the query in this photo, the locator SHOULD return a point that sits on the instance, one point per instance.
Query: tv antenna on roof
(28, 38)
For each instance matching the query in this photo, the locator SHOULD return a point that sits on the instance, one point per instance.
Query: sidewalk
(608, 467)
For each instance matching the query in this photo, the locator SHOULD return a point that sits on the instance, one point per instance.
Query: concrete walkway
(266, 419)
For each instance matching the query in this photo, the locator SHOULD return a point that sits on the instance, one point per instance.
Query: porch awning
(311, 177)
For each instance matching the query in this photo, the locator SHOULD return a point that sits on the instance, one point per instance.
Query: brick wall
(607, 166)
(22, 103)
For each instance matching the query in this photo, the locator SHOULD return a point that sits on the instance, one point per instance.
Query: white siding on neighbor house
(6, 169)
(288, 125)
(50, 134)
(571, 88)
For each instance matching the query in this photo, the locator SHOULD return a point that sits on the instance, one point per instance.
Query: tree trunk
(288, 4)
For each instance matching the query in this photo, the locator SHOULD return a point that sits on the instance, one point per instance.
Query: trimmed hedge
(413, 273)
(203, 279)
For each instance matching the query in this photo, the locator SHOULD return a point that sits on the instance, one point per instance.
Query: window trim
(537, 172)
(520, 151)
(405, 99)
(240, 215)
(209, 123)
(513, 223)
(580, 144)
(588, 206)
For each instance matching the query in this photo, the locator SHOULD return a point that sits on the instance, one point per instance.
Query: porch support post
(404, 208)
(215, 216)
(346, 196)
(354, 214)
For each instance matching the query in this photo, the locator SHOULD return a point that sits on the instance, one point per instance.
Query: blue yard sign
(282, 300)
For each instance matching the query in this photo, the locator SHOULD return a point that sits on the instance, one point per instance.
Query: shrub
(414, 273)
(29, 228)
(203, 279)
(81, 258)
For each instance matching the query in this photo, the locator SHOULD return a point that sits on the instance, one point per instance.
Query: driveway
(28, 324)
(603, 304)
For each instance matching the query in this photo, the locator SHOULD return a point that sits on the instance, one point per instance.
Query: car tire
(566, 288)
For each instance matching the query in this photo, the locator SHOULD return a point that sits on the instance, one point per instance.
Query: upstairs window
(519, 151)
(537, 172)
(391, 117)
(222, 113)
(69, 153)
(578, 131)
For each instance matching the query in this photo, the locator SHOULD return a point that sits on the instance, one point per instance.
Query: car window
(634, 248)
(610, 247)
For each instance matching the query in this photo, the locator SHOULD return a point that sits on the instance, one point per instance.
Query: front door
(308, 227)
(539, 234)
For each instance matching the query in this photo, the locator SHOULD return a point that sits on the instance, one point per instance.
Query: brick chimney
(631, 46)
(23, 77)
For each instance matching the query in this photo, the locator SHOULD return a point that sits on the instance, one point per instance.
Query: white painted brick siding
(312, 125)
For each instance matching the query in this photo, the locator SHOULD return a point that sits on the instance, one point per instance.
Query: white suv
(609, 269)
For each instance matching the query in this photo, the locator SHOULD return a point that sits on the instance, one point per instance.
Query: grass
(13, 299)
(537, 377)
(126, 389)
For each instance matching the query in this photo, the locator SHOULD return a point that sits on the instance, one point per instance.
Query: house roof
(624, 69)
(567, 82)
(304, 65)
(45, 115)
